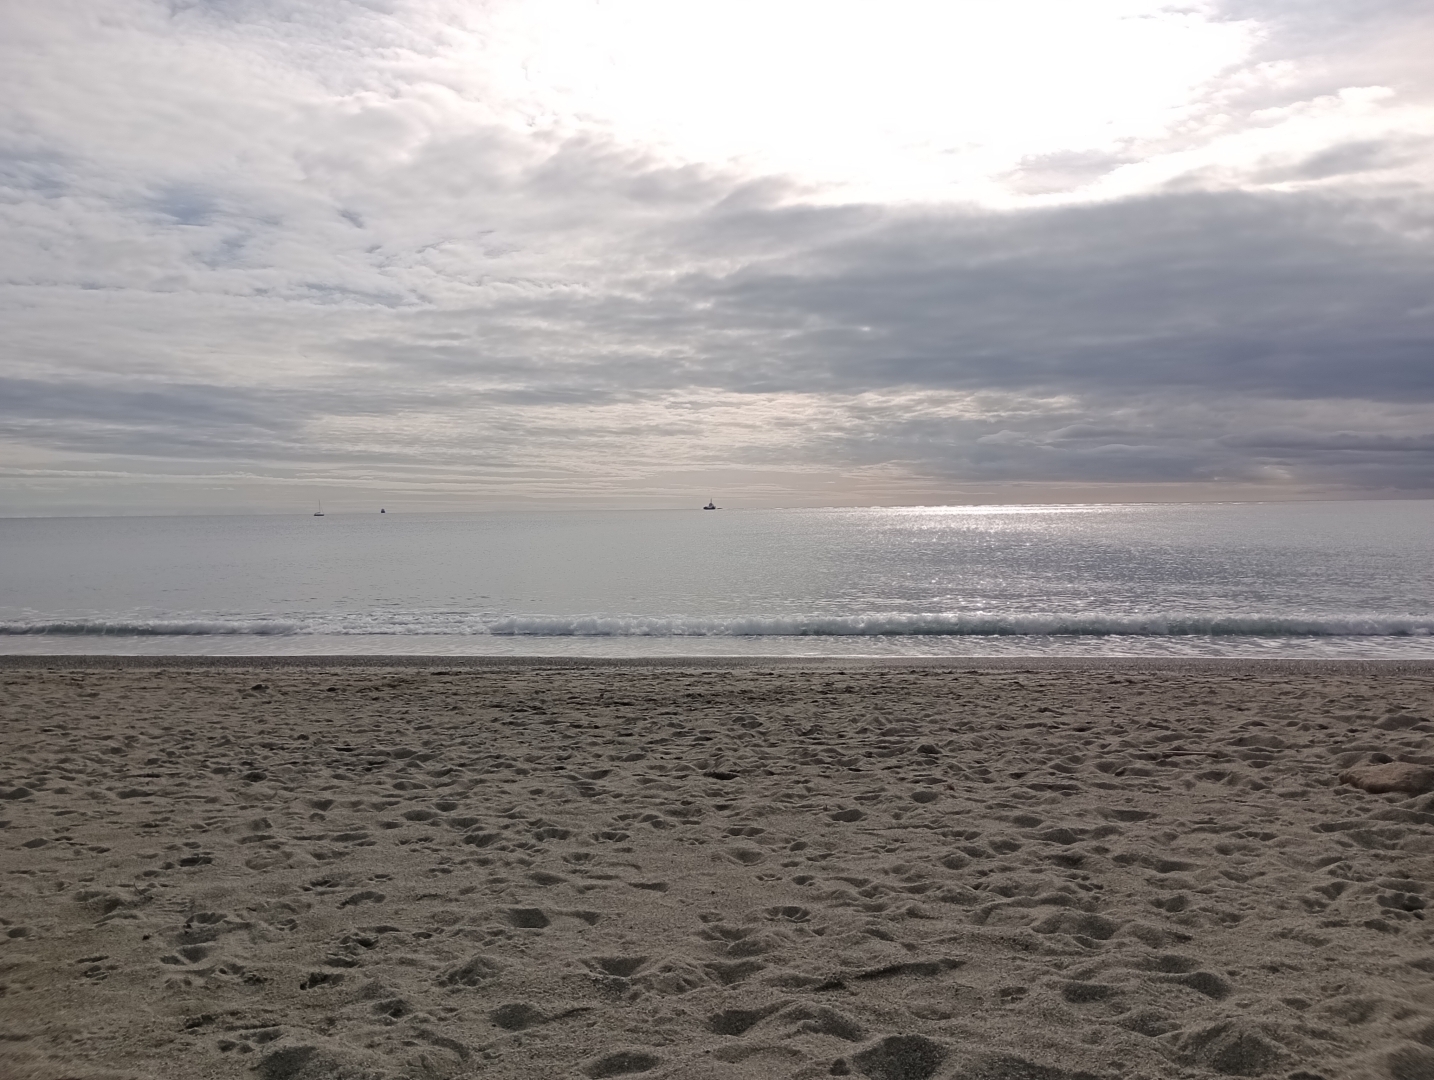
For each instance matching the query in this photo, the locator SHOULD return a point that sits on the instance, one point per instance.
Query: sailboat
(320, 511)
(710, 505)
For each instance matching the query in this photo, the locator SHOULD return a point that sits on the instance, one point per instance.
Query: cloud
(278, 242)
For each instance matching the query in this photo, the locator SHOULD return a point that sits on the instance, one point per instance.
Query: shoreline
(1303, 666)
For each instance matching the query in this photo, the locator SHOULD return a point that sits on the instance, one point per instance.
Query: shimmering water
(1307, 579)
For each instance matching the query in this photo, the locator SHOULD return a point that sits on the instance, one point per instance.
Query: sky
(441, 255)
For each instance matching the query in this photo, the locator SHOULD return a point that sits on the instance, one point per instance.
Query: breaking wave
(155, 627)
(872, 625)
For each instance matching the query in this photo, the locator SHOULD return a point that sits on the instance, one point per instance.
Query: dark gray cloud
(1285, 295)
(1361, 155)
(1293, 295)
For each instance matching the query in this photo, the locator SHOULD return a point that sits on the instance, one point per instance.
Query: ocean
(1352, 579)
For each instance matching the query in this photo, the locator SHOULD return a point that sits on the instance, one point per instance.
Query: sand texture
(288, 873)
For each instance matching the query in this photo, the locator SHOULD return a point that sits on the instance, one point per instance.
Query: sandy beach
(304, 870)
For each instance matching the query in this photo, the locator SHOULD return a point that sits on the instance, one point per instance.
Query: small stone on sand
(1393, 776)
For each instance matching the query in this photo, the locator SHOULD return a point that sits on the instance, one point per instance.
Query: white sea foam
(154, 627)
(943, 624)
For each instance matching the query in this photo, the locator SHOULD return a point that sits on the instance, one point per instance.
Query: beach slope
(289, 872)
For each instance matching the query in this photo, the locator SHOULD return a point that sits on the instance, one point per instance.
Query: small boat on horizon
(710, 505)
(320, 511)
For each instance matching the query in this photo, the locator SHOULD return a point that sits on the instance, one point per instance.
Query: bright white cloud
(908, 99)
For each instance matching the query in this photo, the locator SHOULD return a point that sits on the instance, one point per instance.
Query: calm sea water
(1308, 579)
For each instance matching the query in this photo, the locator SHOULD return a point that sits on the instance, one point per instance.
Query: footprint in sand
(475, 972)
(822, 1020)
(621, 967)
(517, 1016)
(901, 1057)
(736, 1022)
(621, 1063)
(527, 918)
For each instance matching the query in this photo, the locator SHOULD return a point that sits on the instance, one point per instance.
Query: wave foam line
(153, 627)
(874, 625)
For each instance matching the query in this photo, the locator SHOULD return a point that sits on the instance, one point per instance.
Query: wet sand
(292, 870)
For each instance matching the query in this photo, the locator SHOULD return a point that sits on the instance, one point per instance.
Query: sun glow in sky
(904, 99)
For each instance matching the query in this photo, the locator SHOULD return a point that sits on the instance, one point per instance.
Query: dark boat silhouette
(710, 505)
